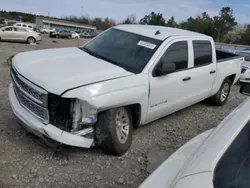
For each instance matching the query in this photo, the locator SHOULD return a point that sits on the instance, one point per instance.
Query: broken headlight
(83, 114)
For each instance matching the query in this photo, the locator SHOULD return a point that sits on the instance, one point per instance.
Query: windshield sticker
(146, 44)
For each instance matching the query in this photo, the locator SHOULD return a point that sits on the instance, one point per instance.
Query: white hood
(60, 69)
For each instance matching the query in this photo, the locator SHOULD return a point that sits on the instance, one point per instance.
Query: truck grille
(29, 89)
(30, 96)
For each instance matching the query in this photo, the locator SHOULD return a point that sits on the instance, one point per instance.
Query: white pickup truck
(127, 76)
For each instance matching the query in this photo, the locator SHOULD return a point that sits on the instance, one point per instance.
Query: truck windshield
(124, 49)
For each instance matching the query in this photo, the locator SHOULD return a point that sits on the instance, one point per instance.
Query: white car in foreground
(75, 35)
(127, 76)
(217, 158)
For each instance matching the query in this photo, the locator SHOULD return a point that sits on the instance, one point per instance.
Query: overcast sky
(119, 9)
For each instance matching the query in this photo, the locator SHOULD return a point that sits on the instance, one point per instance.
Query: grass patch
(9, 60)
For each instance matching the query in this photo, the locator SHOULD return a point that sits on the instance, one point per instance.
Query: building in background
(43, 22)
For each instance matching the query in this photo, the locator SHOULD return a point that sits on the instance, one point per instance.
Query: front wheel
(113, 131)
(31, 40)
(220, 98)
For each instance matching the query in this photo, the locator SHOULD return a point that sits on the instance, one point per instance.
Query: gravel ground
(26, 162)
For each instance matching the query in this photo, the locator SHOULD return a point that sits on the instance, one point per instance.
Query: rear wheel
(113, 131)
(220, 98)
(31, 40)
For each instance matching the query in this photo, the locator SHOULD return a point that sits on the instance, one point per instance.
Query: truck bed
(222, 56)
(228, 65)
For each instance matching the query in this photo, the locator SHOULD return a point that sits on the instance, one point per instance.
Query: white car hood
(246, 64)
(60, 69)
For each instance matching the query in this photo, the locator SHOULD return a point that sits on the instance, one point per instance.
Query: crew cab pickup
(127, 76)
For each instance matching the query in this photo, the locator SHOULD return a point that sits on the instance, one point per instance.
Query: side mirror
(165, 68)
(245, 89)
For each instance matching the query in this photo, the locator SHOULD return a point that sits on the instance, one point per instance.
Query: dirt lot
(26, 162)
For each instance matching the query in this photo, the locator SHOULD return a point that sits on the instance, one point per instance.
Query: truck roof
(150, 31)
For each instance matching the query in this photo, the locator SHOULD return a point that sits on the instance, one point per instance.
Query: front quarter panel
(115, 93)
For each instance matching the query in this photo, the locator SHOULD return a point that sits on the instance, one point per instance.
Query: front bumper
(33, 125)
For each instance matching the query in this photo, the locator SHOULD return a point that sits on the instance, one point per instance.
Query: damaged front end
(72, 115)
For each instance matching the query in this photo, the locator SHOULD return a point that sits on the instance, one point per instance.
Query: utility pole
(81, 10)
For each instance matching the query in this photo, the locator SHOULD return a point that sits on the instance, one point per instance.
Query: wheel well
(135, 110)
(135, 113)
(232, 78)
(31, 37)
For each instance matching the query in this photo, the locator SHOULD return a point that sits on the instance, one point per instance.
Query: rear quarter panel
(227, 68)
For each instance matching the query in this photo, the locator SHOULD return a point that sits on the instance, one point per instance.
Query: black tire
(217, 99)
(106, 132)
(31, 40)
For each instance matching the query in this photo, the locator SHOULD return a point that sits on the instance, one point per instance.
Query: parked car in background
(12, 33)
(75, 35)
(47, 30)
(24, 25)
(54, 34)
(64, 34)
(93, 34)
(85, 35)
(217, 158)
(128, 76)
(245, 69)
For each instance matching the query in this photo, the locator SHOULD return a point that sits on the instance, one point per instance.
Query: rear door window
(233, 169)
(19, 29)
(202, 53)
